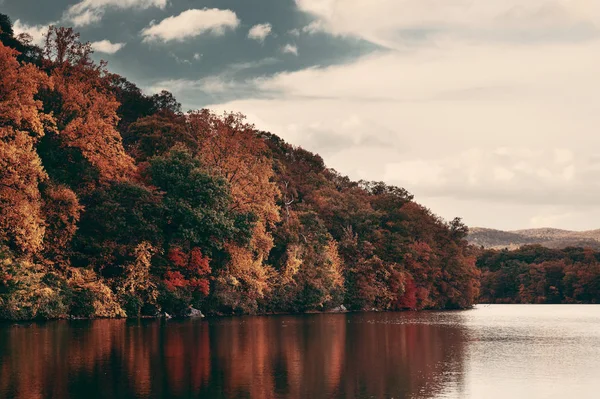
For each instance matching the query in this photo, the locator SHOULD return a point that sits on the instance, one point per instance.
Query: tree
(26, 52)
(197, 206)
(106, 244)
(22, 124)
(155, 135)
(232, 149)
(61, 210)
(310, 271)
(85, 110)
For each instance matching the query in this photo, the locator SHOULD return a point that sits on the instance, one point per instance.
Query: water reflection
(376, 355)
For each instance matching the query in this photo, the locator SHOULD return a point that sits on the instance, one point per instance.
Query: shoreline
(217, 316)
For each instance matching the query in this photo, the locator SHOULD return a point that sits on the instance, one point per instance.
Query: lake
(491, 351)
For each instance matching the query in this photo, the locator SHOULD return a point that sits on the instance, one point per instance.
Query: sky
(484, 109)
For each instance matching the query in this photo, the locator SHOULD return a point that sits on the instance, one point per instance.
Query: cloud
(37, 32)
(180, 60)
(260, 32)
(223, 83)
(188, 90)
(242, 66)
(197, 56)
(314, 27)
(106, 46)
(191, 23)
(89, 11)
(290, 49)
(396, 23)
(508, 175)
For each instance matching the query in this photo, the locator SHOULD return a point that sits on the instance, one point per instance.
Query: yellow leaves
(137, 274)
(105, 301)
(29, 296)
(292, 265)
(335, 267)
(261, 241)
(253, 275)
(29, 302)
(61, 213)
(244, 282)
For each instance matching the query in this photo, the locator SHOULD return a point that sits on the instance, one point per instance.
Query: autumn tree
(156, 134)
(61, 211)
(231, 148)
(534, 274)
(310, 270)
(22, 125)
(85, 110)
(118, 217)
(22, 43)
(199, 224)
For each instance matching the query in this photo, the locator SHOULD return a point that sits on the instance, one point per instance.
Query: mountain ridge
(545, 236)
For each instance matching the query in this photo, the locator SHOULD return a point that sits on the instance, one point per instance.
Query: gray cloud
(91, 11)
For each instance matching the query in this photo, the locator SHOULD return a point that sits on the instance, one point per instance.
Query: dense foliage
(114, 203)
(535, 274)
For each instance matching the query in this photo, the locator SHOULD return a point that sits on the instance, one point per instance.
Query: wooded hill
(114, 203)
(547, 237)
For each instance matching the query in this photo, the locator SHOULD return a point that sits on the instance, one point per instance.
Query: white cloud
(290, 49)
(106, 46)
(216, 85)
(512, 178)
(389, 22)
(87, 17)
(260, 32)
(191, 23)
(314, 27)
(89, 11)
(37, 32)
(197, 56)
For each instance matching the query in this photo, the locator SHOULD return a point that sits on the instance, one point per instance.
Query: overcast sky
(484, 109)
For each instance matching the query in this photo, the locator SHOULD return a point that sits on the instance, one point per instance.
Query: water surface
(497, 351)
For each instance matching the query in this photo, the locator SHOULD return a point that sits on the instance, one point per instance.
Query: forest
(116, 203)
(535, 274)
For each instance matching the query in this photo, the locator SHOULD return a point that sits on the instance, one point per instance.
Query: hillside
(114, 203)
(548, 237)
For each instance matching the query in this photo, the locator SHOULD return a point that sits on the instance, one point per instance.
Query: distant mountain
(548, 237)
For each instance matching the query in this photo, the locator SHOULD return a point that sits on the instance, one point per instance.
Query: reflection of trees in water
(353, 356)
(389, 356)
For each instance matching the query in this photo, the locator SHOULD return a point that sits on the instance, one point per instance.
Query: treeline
(114, 203)
(535, 274)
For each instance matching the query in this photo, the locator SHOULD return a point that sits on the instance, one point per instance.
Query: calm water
(498, 351)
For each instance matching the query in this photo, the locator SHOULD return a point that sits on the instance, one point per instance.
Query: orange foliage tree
(232, 149)
(22, 124)
(84, 107)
